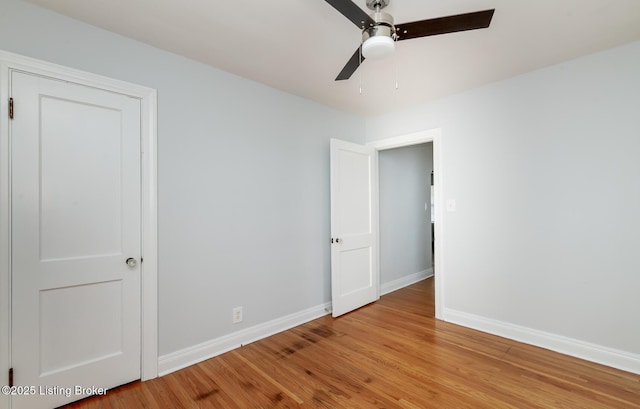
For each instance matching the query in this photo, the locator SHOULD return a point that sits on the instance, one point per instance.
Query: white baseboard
(198, 353)
(395, 285)
(623, 360)
(192, 355)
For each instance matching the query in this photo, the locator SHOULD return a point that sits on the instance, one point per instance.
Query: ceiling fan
(379, 33)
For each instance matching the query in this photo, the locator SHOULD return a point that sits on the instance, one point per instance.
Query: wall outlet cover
(237, 315)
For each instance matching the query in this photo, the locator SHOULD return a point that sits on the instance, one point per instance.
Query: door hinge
(10, 108)
(10, 377)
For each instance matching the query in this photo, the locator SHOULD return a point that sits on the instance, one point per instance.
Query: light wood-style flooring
(390, 354)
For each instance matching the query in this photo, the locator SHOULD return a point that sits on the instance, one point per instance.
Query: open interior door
(354, 231)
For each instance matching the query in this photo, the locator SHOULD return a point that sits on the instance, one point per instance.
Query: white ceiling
(299, 46)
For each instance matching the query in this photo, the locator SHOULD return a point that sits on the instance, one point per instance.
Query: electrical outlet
(237, 315)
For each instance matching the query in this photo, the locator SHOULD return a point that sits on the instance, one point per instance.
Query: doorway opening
(406, 224)
(434, 136)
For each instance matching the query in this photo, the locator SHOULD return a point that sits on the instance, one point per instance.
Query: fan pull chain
(395, 66)
(360, 71)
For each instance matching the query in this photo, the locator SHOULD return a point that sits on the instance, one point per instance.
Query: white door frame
(435, 136)
(149, 268)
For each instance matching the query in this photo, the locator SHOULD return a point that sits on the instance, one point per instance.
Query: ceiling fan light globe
(378, 47)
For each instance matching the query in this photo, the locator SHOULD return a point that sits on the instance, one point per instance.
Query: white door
(75, 219)
(354, 248)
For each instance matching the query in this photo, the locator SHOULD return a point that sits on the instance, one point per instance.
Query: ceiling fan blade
(443, 25)
(351, 66)
(354, 13)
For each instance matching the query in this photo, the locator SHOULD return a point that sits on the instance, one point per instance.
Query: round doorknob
(131, 262)
(338, 240)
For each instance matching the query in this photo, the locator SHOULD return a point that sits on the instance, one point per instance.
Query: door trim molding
(435, 136)
(149, 183)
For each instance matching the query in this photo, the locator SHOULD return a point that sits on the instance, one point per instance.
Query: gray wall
(243, 178)
(405, 226)
(545, 171)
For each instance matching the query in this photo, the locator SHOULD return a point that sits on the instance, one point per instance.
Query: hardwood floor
(391, 354)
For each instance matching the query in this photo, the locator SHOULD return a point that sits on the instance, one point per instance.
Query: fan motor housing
(383, 27)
